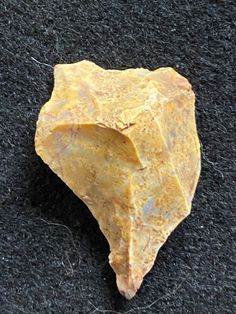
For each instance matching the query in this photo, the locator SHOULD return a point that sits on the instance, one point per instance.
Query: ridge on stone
(125, 142)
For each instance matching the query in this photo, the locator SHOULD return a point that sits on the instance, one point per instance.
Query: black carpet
(53, 257)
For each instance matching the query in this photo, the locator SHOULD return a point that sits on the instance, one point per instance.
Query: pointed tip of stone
(128, 286)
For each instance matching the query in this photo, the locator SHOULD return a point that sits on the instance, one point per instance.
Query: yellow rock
(125, 142)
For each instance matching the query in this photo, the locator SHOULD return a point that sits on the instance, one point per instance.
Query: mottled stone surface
(125, 142)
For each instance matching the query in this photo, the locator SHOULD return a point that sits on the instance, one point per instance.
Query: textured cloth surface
(53, 257)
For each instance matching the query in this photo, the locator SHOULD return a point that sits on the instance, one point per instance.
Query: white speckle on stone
(149, 207)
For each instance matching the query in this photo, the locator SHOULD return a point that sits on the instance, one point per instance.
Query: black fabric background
(53, 257)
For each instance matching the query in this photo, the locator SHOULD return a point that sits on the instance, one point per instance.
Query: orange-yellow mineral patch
(125, 142)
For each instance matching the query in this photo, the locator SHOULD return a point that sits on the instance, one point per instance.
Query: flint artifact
(125, 142)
